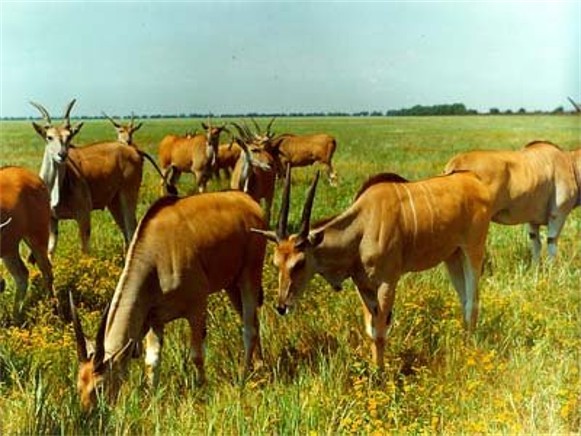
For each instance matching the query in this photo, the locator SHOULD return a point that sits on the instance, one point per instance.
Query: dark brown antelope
(82, 179)
(25, 216)
(392, 227)
(535, 185)
(190, 154)
(184, 249)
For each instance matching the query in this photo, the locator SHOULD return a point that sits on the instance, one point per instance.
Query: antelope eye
(50, 137)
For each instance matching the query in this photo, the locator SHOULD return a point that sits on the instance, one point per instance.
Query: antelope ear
(268, 234)
(136, 128)
(40, 130)
(315, 238)
(204, 125)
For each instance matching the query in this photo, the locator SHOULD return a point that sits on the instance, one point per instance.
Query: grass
(518, 374)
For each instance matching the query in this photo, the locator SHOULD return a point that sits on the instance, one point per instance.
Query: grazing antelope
(190, 154)
(254, 172)
(534, 185)
(184, 249)
(25, 215)
(303, 150)
(392, 227)
(82, 179)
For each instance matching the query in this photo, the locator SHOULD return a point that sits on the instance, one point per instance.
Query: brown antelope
(226, 159)
(124, 131)
(25, 216)
(184, 249)
(535, 185)
(125, 136)
(392, 227)
(82, 179)
(303, 150)
(254, 172)
(190, 154)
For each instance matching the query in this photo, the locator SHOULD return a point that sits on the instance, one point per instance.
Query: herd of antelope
(185, 248)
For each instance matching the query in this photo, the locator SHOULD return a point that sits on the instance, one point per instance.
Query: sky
(237, 57)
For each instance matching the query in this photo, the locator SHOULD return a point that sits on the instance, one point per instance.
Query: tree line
(417, 110)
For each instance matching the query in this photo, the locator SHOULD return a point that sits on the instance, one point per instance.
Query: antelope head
(213, 140)
(96, 371)
(293, 254)
(57, 138)
(124, 131)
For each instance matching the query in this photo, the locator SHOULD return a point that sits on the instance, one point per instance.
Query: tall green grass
(519, 373)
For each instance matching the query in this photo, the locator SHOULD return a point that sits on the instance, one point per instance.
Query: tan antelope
(82, 179)
(184, 249)
(303, 150)
(392, 227)
(535, 185)
(254, 172)
(190, 154)
(25, 216)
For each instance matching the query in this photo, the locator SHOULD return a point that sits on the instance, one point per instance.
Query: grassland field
(519, 373)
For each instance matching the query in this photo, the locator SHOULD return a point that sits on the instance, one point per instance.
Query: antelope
(82, 179)
(125, 136)
(124, 131)
(184, 249)
(536, 185)
(391, 228)
(25, 212)
(303, 150)
(254, 172)
(226, 158)
(191, 154)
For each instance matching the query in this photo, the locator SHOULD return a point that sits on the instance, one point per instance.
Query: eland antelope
(190, 154)
(184, 249)
(537, 185)
(303, 150)
(25, 216)
(391, 228)
(82, 179)
(254, 172)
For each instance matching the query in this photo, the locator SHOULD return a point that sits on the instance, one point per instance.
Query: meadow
(519, 373)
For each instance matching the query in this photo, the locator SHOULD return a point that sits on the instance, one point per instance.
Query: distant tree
(508, 111)
(522, 110)
(494, 111)
(559, 110)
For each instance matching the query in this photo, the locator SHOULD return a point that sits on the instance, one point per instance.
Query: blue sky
(237, 57)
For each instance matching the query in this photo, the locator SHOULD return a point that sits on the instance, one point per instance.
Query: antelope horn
(43, 111)
(268, 126)
(67, 116)
(79, 335)
(306, 218)
(110, 119)
(281, 229)
(256, 126)
(100, 339)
